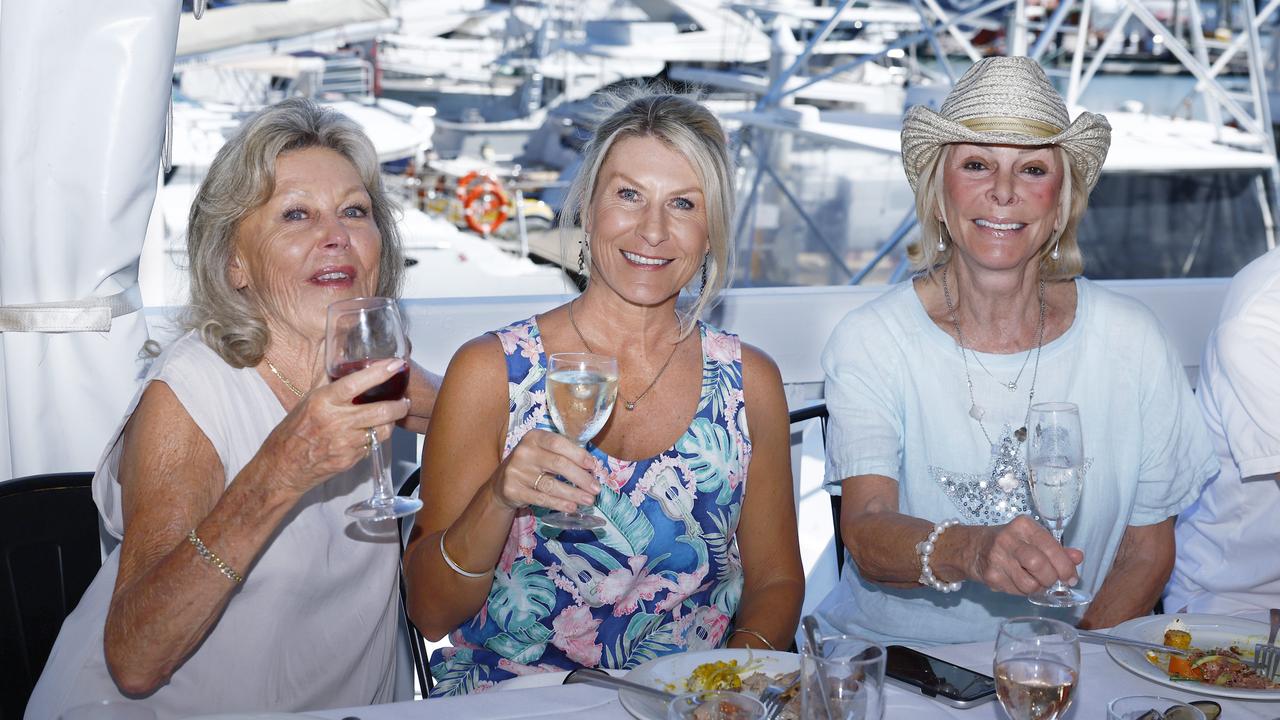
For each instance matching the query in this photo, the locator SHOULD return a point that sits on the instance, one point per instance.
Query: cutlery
(810, 625)
(1103, 637)
(775, 697)
(1267, 656)
(593, 676)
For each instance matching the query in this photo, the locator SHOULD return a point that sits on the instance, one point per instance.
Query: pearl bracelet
(925, 548)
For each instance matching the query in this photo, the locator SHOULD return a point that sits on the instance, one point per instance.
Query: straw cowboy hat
(1004, 101)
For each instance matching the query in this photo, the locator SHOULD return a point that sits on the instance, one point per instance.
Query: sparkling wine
(391, 389)
(580, 402)
(1056, 489)
(1034, 689)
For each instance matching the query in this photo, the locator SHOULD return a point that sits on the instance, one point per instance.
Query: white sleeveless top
(314, 624)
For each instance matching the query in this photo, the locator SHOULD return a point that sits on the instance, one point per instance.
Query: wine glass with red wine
(359, 333)
(1037, 666)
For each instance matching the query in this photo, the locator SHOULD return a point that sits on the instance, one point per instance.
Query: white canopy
(85, 88)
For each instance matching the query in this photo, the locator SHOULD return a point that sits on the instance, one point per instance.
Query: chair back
(417, 643)
(49, 553)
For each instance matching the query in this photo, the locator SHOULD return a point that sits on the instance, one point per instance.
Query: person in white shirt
(929, 388)
(1227, 542)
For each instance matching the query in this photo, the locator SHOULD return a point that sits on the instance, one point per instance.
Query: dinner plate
(1207, 631)
(669, 673)
(256, 716)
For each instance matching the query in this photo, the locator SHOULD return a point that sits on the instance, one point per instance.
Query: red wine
(392, 389)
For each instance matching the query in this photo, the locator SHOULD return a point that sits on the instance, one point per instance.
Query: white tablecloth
(1101, 680)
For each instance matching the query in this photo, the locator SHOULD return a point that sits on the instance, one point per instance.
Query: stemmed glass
(1037, 664)
(359, 333)
(581, 390)
(1055, 458)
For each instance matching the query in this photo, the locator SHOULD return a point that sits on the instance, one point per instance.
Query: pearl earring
(942, 244)
(1055, 254)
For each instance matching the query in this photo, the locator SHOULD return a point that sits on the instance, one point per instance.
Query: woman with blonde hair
(698, 547)
(930, 387)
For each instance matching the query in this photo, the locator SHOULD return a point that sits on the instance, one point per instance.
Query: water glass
(1055, 461)
(109, 710)
(843, 679)
(581, 391)
(716, 705)
(1141, 706)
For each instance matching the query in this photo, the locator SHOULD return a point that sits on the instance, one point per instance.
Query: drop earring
(1055, 254)
(703, 289)
(582, 257)
(942, 244)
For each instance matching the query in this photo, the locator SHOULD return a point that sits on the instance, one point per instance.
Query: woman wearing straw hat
(929, 387)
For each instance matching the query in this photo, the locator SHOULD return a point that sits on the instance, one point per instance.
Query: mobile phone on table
(943, 681)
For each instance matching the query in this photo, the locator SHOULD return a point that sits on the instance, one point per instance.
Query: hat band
(1025, 126)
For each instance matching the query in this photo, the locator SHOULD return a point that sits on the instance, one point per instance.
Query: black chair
(417, 643)
(804, 414)
(49, 553)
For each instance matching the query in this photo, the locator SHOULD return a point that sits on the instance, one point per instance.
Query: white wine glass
(1055, 459)
(359, 333)
(1037, 665)
(581, 391)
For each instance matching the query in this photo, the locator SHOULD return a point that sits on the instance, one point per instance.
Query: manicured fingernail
(1073, 581)
(395, 365)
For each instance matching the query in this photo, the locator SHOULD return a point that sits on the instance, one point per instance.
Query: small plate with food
(747, 671)
(1219, 660)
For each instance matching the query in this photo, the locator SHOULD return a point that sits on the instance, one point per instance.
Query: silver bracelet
(455, 566)
(925, 549)
(212, 558)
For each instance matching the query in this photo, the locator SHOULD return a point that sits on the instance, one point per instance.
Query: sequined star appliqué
(996, 496)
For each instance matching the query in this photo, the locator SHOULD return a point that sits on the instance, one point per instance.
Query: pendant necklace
(975, 411)
(628, 404)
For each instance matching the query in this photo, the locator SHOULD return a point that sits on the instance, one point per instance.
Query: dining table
(1101, 680)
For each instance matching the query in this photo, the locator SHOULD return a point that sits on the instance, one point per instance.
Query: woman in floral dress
(699, 547)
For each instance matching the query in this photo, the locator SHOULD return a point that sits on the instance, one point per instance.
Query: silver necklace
(976, 411)
(628, 404)
(292, 388)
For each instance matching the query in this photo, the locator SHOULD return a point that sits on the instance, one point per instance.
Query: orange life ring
(475, 177)
(485, 208)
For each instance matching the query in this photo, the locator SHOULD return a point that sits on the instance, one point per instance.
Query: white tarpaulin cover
(240, 25)
(85, 87)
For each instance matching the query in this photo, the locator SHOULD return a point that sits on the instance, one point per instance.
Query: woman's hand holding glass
(1021, 557)
(528, 474)
(326, 433)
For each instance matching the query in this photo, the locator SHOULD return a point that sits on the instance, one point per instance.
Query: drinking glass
(1139, 707)
(359, 333)
(1055, 458)
(109, 710)
(843, 679)
(716, 705)
(581, 390)
(1037, 664)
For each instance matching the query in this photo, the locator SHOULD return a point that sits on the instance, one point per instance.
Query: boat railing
(347, 75)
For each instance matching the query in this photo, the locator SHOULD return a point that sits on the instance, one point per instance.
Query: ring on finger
(369, 439)
(537, 483)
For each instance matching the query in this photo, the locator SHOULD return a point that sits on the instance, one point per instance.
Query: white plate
(1207, 631)
(673, 670)
(545, 679)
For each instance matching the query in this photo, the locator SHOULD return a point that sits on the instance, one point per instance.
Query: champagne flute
(1037, 664)
(581, 390)
(1055, 458)
(359, 333)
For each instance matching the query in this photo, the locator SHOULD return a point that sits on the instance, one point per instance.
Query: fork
(775, 697)
(1267, 657)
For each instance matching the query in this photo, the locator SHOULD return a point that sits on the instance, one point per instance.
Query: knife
(594, 676)
(1103, 637)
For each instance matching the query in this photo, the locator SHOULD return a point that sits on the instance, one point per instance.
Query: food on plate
(1222, 666)
(720, 710)
(745, 678)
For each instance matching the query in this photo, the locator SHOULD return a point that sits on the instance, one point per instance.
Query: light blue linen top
(895, 388)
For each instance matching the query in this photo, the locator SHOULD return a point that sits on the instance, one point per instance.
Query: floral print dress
(662, 576)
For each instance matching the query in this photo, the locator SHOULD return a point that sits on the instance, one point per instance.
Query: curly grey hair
(691, 130)
(242, 178)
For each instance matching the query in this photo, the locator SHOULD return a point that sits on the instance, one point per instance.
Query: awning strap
(92, 314)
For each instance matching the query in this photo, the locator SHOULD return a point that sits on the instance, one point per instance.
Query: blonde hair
(242, 178)
(924, 255)
(689, 129)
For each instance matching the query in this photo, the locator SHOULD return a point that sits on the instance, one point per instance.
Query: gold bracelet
(213, 559)
(754, 634)
(455, 566)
